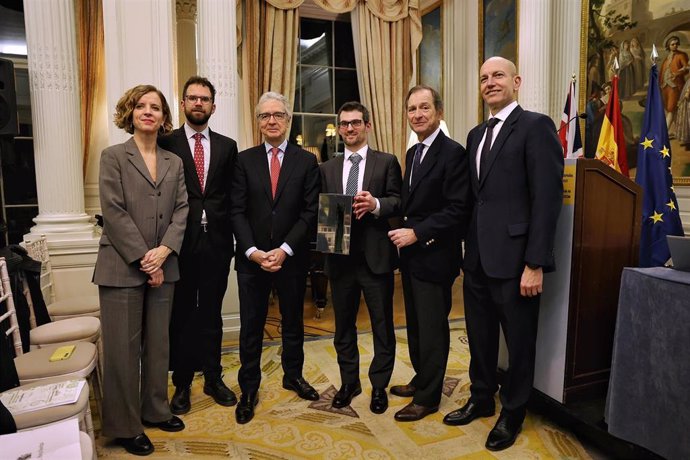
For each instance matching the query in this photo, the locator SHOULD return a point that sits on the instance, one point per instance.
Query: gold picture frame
(619, 23)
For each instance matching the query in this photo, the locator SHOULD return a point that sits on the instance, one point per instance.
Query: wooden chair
(87, 305)
(35, 365)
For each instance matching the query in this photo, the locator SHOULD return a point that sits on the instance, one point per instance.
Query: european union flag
(660, 215)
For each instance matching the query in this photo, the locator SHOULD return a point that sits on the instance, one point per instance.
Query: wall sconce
(298, 139)
(330, 130)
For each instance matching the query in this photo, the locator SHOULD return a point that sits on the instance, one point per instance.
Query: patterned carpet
(286, 427)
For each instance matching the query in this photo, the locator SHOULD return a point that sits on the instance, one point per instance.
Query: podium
(598, 233)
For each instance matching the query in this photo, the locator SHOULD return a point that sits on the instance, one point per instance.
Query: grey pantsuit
(138, 214)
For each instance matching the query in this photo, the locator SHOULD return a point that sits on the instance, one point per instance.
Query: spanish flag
(611, 146)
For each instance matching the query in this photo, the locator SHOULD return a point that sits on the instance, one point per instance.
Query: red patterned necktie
(275, 170)
(199, 159)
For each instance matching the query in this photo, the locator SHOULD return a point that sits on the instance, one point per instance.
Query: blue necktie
(416, 161)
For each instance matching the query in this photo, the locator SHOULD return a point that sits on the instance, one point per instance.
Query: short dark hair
(352, 106)
(438, 102)
(203, 81)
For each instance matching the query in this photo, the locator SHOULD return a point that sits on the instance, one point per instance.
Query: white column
(186, 44)
(534, 54)
(216, 35)
(55, 112)
(460, 67)
(217, 61)
(139, 49)
(565, 53)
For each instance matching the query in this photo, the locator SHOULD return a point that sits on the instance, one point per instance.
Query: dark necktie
(275, 170)
(486, 148)
(353, 176)
(416, 161)
(199, 159)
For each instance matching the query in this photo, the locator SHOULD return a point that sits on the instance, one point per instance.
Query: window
(326, 79)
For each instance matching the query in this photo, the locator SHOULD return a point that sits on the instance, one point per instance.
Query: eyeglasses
(355, 123)
(193, 99)
(277, 116)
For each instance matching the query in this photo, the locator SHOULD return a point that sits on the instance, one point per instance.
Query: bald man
(516, 172)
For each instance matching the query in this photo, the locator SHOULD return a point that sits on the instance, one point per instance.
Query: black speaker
(8, 100)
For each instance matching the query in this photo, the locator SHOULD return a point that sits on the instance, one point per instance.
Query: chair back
(38, 250)
(10, 313)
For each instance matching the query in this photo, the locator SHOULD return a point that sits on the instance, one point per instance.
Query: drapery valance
(387, 10)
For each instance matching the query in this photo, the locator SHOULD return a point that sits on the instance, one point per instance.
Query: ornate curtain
(89, 15)
(269, 52)
(386, 35)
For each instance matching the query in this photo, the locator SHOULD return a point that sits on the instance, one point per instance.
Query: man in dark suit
(196, 327)
(273, 209)
(517, 186)
(435, 209)
(374, 179)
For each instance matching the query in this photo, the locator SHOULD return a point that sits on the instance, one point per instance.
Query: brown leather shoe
(404, 391)
(413, 412)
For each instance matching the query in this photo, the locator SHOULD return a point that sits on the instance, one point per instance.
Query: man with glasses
(273, 210)
(196, 327)
(374, 179)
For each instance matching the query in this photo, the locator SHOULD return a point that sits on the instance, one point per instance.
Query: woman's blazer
(139, 214)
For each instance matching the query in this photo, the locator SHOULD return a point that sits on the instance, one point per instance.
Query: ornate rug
(287, 427)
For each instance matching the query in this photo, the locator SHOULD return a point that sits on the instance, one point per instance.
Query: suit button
(405, 218)
(160, 216)
(480, 202)
(159, 193)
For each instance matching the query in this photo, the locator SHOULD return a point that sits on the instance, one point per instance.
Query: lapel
(214, 142)
(473, 148)
(428, 162)
(496, 148)
(369, 167)
(187, 157)
(405, 190)
(286, 168)
(138, 161)
(337, 174)
(162, 165)
(262, 168)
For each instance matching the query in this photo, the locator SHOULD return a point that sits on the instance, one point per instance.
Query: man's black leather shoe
(302, 388)
(379, 401)
(173, 424)
(180, 401)
(505, 432)
(404, 391)
(138, 445)
(469, 412)
(344, 396)
(245, 409)
(220, 393)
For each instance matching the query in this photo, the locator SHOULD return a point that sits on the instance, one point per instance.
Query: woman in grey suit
(144, 205)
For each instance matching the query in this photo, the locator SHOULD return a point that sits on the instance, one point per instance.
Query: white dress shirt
(502, 115)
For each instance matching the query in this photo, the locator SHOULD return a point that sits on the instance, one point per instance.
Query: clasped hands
(152, 262)
(270, 261)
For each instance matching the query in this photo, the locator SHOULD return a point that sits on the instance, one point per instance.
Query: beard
(197, 118)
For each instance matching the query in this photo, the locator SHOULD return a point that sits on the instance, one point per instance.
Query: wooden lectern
(598, 234)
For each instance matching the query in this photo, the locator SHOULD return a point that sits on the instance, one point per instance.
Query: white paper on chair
(21, 400)
(57, 441)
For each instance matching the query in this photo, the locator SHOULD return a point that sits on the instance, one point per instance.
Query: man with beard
(374, 179)
(196, 324)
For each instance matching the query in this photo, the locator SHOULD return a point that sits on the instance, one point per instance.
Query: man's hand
(274, 261)
(258, 257)
(531, 282)
(402, 237)
(154, 258)
(156, 278)
(364, 202)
